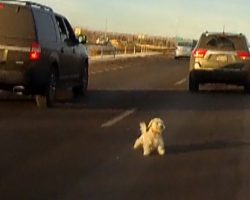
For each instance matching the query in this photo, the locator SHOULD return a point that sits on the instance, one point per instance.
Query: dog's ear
(164, 124)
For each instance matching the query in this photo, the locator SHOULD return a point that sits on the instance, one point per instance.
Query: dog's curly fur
(151, 137)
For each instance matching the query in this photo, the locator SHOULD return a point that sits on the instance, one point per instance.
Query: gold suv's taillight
(199, 53)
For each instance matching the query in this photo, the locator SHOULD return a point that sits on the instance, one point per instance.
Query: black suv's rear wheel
(41, 101)
(48, 100)
(51, 88)
(81, 89)
(193, 83)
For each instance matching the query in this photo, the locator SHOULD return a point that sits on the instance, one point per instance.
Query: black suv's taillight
(35, 52)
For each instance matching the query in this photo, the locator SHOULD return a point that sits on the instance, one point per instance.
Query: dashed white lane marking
(118, 118)
(114, 69)
(181, 81)
(108, 70)
(96, 72)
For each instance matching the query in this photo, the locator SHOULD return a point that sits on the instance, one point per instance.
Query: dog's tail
(143, 127)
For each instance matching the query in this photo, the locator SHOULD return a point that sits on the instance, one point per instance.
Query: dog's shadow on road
(181, 100)
(165, 100)
(206, 146)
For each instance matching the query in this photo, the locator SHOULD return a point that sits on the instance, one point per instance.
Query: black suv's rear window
(223, 42)
(16, 22)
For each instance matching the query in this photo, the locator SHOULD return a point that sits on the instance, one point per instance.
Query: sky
(168, 18)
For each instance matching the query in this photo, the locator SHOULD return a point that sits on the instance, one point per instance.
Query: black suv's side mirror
(82, 39)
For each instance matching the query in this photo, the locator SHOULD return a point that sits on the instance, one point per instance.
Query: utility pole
(105, 37)
(106, 28)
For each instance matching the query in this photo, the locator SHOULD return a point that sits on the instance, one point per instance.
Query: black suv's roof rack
(28, 3)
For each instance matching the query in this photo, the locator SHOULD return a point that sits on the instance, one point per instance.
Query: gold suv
(220, 58)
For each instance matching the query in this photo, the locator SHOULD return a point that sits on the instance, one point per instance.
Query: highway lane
(82, 149)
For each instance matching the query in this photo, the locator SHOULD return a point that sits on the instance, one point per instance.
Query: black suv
(220, 58)
(39, 52)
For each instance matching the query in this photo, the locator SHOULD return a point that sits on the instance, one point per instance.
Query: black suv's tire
(49, 97)
(247, 87)
(41, 101)
(81, 89)
(50, 92)
(193, 83)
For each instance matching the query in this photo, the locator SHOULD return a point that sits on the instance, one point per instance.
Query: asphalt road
(82, 149)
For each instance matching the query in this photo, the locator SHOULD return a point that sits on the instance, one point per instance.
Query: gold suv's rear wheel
(193, 83)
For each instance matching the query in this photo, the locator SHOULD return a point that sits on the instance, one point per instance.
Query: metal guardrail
(105, 58)
(101, 50)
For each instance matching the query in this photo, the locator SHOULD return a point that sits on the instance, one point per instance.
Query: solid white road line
(118, 118)
(181, 81)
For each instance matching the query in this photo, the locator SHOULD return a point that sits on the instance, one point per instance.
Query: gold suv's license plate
(221, 58)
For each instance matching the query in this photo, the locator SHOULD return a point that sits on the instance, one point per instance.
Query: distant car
(220, 58)
(183, 49)
(39, 52)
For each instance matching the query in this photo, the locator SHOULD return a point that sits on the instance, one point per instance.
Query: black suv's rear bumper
(33, 80)
(227, 76)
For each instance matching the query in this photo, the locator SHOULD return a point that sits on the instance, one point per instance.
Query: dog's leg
(146, 150)
(138, 143)
(161, 149)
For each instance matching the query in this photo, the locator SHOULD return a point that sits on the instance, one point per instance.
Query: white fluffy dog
(151, 137)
